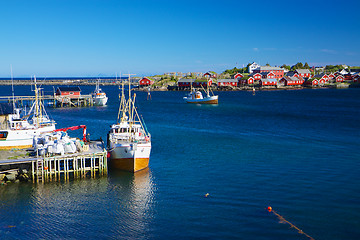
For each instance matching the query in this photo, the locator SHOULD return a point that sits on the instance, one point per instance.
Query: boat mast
(12, 88)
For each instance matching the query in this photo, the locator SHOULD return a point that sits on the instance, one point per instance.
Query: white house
(253, 66)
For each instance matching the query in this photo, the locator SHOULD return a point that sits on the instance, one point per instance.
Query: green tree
(286, 67)
(306, 66)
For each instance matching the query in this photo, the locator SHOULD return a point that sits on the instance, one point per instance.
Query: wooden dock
(90, 163)
(52, 100)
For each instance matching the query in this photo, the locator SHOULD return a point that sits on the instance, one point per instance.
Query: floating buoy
(269, 208)
(206, 195)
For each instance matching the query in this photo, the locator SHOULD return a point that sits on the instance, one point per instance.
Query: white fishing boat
(129, 142)
(18, 128)
(99, 96)
(196, 96)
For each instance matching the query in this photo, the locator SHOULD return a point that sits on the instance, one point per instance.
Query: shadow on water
(106, 207)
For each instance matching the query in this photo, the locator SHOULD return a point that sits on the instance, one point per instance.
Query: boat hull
(132, 157)
(206, 100)
(100, 101)
(22, 138)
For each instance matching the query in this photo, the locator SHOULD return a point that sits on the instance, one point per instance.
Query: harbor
(244, 152)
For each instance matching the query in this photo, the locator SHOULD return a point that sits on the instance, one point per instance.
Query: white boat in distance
(196, 96)
(17, 130)
(129, 142)
(99, 96)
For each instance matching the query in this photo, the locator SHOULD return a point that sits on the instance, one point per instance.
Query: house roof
(227, 80)
(6, 108)
(267, 68)
(252, 74)
(186, 80)
(268, 80)
(266, 73)
(319, 75)
(69, 89)
(303, 71)
(288, 78)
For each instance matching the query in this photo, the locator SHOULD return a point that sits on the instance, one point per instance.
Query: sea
(214, 171)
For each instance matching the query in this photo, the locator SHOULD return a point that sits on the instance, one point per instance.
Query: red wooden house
(72, 92)
(268, 75)
(145, 81)
(356, 78)
(323, 78)
(268, 82)
(210, 75)
(238, 76)
(305, 73)
(246, 81)
(311, 82)
(202, 82)
(279, 72)
(291, 81)
(256, 76)
(348, 77)
(292, 74)
(227, 82)
(339, 78)
(331, 76)
(185, 82)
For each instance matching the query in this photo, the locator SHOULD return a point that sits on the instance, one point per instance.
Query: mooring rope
(282, 219)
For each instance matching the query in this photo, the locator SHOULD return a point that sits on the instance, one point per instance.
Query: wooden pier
(90, 163)
(52, 100)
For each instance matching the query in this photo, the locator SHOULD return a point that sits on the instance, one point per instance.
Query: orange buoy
(269, 209)
(206, 195)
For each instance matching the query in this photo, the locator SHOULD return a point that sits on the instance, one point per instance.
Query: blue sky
(108, 37)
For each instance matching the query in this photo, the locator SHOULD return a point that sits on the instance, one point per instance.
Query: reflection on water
(119, 205)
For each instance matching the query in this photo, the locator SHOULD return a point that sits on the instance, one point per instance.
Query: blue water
(296, 151)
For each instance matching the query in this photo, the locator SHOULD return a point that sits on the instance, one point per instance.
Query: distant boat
(129, 142)
(196, 96)
(99, 96)
(17, 130)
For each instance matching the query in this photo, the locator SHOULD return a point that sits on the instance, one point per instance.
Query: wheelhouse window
(3, 135)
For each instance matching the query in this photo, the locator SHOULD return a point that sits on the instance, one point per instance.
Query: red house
(279, 72)
(268, 75)
(268, 82)
(305, 73)
(339, 78)
(227, 82)
(238, 75)
(256, 76)
(246, 81)
(210, 75)
(68, 91)
(311, 82)
(331, 76)
(292, 74)
(201, 82)
(348, 77)
(185, 82)
(145, 81)
(323, 78)
(356, 78)
(292, 81)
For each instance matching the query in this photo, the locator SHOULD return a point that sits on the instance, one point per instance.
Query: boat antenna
(12, 88)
